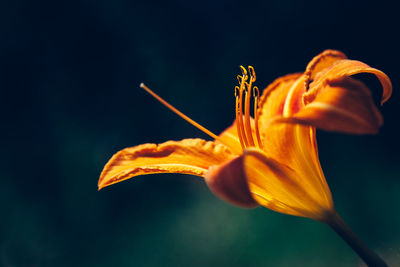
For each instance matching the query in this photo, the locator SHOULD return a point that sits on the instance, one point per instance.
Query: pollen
(243, 93)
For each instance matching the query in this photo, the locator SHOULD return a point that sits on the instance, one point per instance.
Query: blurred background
(70, 98)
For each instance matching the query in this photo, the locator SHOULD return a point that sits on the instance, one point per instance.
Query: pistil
(183, 116)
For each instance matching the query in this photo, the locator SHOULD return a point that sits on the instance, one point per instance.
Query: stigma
(248, 136)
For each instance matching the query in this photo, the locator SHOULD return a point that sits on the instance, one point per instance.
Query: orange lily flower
(271, 160)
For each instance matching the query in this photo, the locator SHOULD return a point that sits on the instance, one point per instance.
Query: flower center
(243, 94)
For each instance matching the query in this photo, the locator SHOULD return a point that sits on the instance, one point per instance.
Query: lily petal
(321, 62)
(230, 137)
(292, 145)
(273, 99)
(188, 156)
(336, 102)
(228, 181)
(343, 105)
(280, 188)
(333, 101)
(346, 68)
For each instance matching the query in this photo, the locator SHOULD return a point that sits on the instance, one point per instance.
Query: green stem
(341, 228)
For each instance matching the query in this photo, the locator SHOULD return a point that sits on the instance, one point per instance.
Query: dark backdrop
(69, 77)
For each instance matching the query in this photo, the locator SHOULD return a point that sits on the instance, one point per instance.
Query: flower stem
(341, 228)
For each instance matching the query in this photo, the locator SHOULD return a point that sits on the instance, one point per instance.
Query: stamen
(239, 113)
(183, 116)
(238, 128)
(247, 105)
(243, 123)
(247, 114)
(256, 95)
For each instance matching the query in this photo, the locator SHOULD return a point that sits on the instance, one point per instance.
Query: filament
(237, 110)
(256, 94)
(239, 113)
(247, 115)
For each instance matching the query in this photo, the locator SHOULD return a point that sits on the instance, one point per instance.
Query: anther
(244, 71)
(256, 93)
(252, 74)
(237, 91)
(239, 78)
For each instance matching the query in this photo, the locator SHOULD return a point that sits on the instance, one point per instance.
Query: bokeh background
(70, 98)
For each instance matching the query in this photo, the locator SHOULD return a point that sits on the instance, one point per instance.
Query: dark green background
(70, 98)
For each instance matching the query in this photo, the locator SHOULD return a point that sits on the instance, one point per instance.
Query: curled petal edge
(320, 62)
(346, 68)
